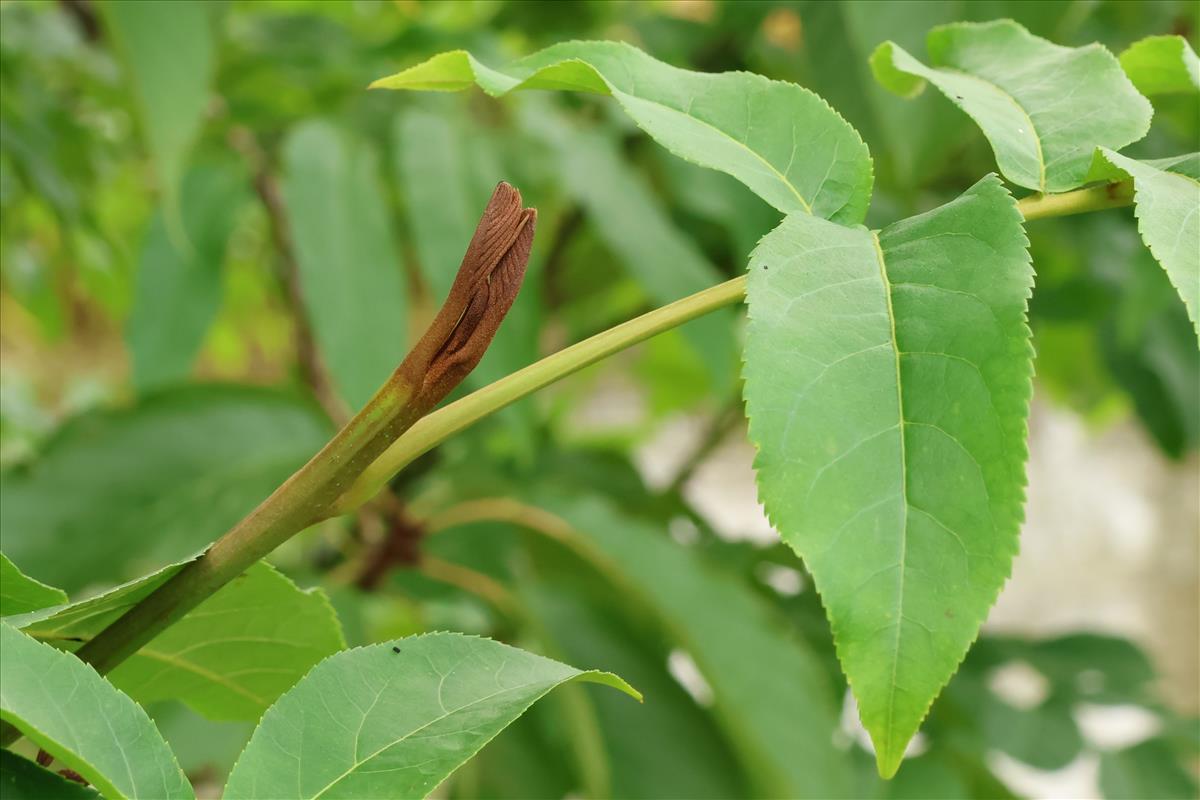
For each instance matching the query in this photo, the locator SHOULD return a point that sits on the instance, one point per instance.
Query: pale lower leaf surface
(887, 387)
(1044, 108)
(781, 140)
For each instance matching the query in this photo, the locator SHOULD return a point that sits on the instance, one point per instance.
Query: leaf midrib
(359, 762)
(887, 292)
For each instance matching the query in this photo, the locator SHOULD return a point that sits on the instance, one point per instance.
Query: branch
(1080, 201)
(371, 448)
(445, 422)
(484, 290)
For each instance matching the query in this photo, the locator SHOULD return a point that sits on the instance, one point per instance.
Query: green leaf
(228, 659)
(178, 288)
(393, 720)
(116, 494)
(1148, 769)
(1162, 65)
(20, 594)
(781, 719)
(350, 271)
(168, 50)
(1044, 108)
(1166, 197)
(21, 779)
(79, 718)
(782, 141)
(887, 387)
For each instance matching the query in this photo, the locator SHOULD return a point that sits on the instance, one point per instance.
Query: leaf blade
(206, 456)
(391, 722)
(168, 48)
(228, 659)
(350, 272)
(1162, 65)
(1012, 84)
(1166, 198)
(21, 779)
(827, 171)
(930, 341)
(178, 288)
(21, 594)
(125, 757)
(703, 609)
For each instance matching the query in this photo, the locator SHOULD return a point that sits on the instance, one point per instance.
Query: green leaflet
(1162, 65)
(21, 779)
(887, 387)
(79, 718)
(168, 50)
(393, 720)
(20, 594)
(1044, 108)
(151, 483)
(178, 290)
(228, 659)
(779, 720)
(350, 271)
(1166, 196)
(782, 141)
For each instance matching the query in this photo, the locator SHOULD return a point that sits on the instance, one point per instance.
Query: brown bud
(484, 290)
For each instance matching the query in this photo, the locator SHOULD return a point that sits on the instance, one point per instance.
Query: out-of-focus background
(214, 242)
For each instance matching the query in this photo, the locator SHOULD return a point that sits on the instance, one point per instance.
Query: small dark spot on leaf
(395, 649)
(958, 97)
(765, 266)
(949, 614)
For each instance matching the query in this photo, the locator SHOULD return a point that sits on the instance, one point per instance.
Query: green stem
(445, 422)
(316, 491)
(1080, 201)
(295, 505)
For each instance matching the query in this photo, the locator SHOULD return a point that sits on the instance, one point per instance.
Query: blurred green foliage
(207, 194)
